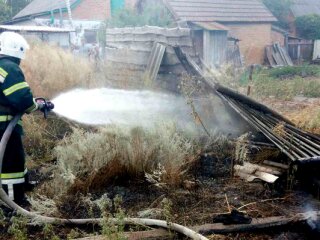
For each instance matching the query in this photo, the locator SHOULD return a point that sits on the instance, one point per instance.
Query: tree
(150, 13)
(308, 26)
(9, 8)
(17, 5)
(280, 9)
(4, 11)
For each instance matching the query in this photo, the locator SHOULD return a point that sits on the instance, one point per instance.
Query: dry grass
(307, 118)
(50, 70)
(41, 136)
(279, 130)
(91, 160)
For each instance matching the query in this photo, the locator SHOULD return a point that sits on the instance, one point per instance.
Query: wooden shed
(58, 36)
(247, 20)
(211, 42)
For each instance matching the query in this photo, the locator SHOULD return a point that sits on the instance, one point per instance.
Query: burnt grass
(201, 198)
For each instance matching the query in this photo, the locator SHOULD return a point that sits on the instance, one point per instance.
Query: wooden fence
(300, 51)
(128, 51)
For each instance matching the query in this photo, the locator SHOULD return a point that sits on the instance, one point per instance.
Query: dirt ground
(197, 204)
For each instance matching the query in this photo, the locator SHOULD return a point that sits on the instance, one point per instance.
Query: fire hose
(60, 221)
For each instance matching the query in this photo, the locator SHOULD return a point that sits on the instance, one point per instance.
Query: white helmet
(13, 44)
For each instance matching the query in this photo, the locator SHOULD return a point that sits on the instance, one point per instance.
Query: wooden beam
(256, 224)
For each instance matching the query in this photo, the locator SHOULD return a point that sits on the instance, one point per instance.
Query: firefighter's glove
(44, 105)
(49, 105)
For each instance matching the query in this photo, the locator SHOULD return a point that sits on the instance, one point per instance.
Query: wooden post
(299, 54)
(251, 68)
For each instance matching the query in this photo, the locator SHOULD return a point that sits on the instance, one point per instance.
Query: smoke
(312, 218)
(143, 108)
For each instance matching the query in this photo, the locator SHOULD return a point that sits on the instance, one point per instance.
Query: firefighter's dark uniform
(15, 97)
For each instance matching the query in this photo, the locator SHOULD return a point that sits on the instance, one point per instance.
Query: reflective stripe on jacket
(15, 93)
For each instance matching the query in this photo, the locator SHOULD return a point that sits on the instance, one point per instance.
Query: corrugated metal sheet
(42, 6)
(33, 29)
(215, 48)
(220, 10)
(154, 62)
(305, 7)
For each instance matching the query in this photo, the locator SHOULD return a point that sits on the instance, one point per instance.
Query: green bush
(4, 11)
(280, 9)
(308, 26)
(152, 14)
(286, 90)
(289, 72)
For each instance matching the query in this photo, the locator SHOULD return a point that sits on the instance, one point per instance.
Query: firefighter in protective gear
(15, 97)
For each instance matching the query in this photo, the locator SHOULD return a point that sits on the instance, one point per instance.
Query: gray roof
(305, 7)
(34, 29)
(220, 10)
(38, 7)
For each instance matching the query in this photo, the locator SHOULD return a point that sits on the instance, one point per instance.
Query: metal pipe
(287, 139)
(300, 131)
(309, 160)
(292, 139)
(272, 138)
(271, 135)
(300, 138)
(295, 151)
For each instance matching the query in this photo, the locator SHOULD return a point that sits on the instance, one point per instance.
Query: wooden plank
(286, 56)
(129, 56)
(154, 62)
(174, 41)
(276, 164)
(277, 58)
(256, 224)
(146, 30)
(137, 46)
(147, 46)
(279, 50)
(127, 66)
(164, 69)
(269, 56)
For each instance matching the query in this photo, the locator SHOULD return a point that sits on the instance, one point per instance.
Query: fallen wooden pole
(258, 224)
